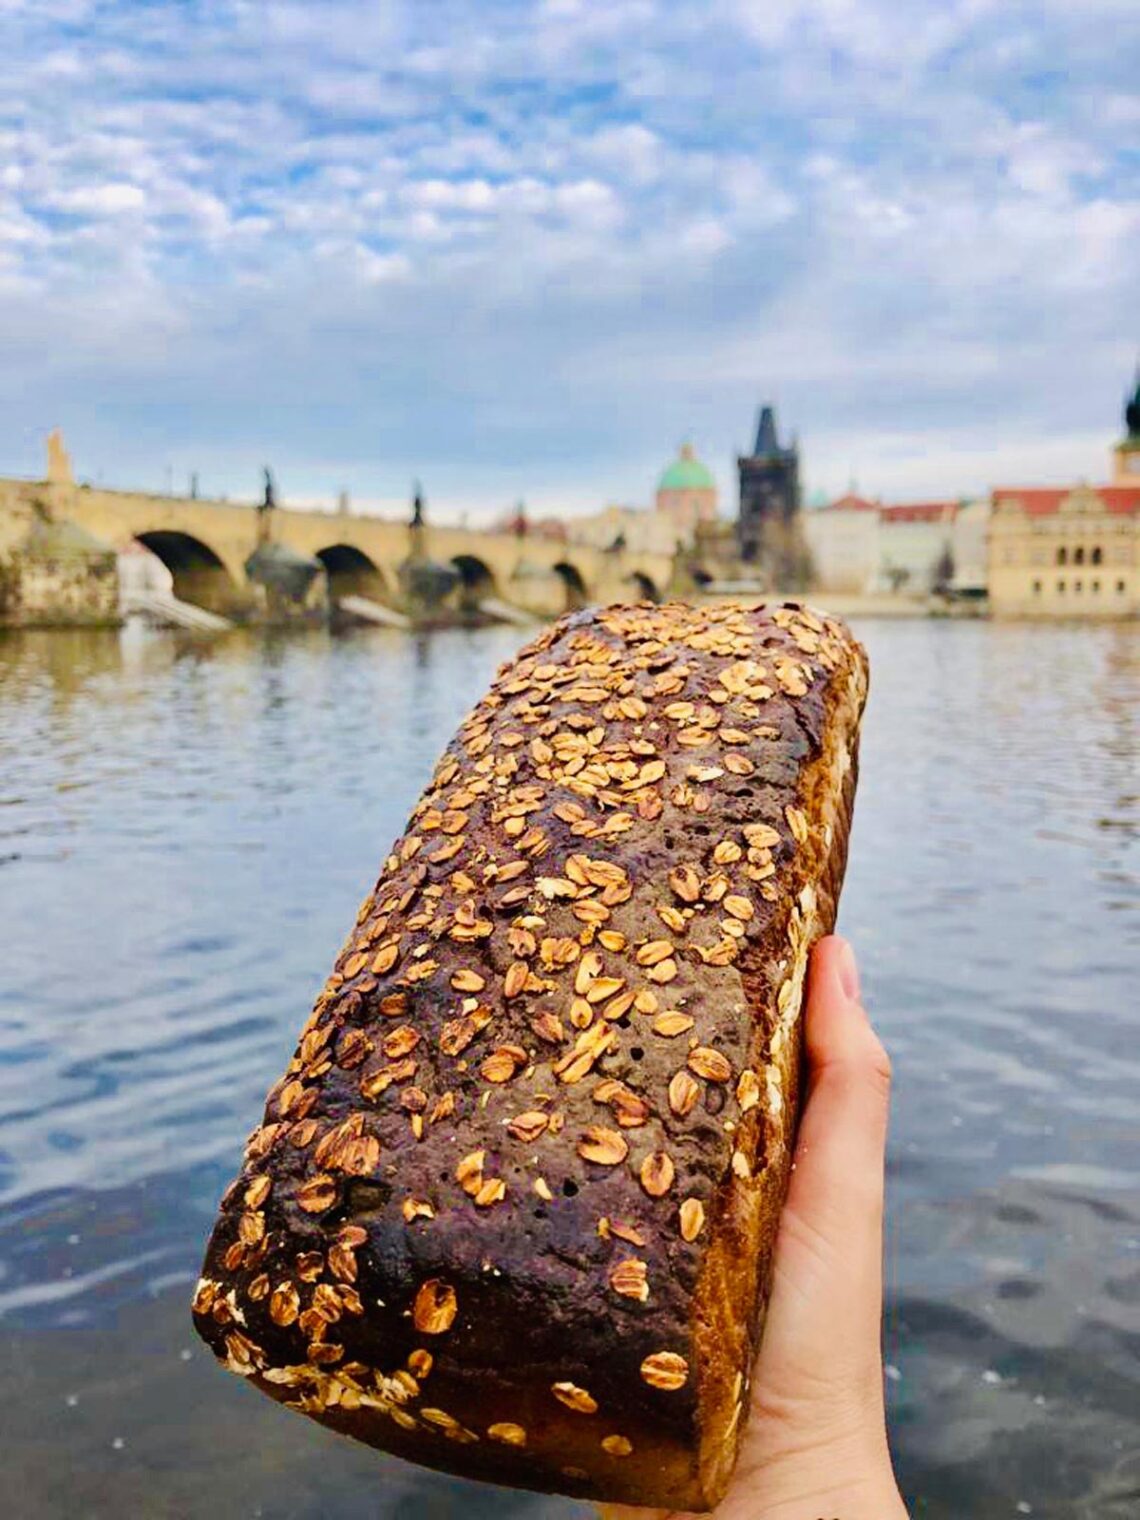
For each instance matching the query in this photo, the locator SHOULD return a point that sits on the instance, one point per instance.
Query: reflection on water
(185, 831)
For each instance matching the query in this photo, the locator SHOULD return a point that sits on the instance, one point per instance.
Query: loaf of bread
(512, 1206)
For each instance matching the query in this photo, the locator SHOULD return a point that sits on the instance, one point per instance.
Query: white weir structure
(164, 608)
(146, 589)
(372, 612)
(503, 612)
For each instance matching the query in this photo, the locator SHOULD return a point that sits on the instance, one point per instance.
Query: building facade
(1071, 551)
(916, 546)
(686, 494)
(843, 540)
(768, 533)
(968, 539)
(1067, 552)
(863, 547)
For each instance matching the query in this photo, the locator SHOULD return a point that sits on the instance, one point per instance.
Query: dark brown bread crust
(511, 1209)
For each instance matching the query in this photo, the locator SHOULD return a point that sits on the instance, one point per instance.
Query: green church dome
(687, 473)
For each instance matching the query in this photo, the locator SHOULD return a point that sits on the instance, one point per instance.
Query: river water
(185, 833)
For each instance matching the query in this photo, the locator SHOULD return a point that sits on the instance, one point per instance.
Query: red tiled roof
(851, 503)
(920, 511)
(1040, 501)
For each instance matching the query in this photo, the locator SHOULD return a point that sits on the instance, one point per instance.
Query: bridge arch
(200, 575)
(646, 587)
(474, 572)
(351, 572)
(476, 582)
(573, 584)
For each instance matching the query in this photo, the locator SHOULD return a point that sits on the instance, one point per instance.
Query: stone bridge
(207, 543)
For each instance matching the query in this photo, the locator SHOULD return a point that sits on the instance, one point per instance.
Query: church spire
(1132, 410)
(767, 441)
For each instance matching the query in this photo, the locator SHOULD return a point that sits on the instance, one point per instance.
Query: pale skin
(816, 1443)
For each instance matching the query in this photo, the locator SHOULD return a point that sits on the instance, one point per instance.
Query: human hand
(816, 1444)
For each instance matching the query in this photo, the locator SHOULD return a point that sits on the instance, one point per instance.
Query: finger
(838, 1177)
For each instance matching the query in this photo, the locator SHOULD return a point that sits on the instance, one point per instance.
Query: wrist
(844, 1482)
(875, 1497)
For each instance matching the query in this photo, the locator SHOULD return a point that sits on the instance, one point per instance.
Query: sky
(523, 250)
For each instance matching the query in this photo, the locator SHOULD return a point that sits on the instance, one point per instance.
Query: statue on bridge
(265, 507)
(425, 583)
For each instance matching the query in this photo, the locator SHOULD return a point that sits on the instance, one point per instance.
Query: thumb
(838, 1179)
(827, 1290)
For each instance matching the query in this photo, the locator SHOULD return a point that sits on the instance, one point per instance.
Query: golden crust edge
(731, 1297)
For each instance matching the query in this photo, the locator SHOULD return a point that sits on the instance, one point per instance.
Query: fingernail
(848, 972)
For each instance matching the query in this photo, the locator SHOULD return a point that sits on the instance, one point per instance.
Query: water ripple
(185, 832)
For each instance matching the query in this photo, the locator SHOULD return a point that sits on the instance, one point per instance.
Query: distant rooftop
(907, 511)
(920, 511)
(687, 473)
(850, 503)
(1040, 501)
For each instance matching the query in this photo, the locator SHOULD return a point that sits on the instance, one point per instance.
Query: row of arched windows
(1078, 557)
(1078, 587)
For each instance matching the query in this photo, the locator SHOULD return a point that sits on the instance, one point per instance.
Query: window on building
(1079, 555)
(1120, 588)
(1036, 588)
(1095, 557)
(1061, 555)
(1076, 585)
(1095, 586)
(1060, 585)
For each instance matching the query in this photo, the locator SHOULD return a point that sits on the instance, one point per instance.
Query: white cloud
(452, 195)
(101, 200)
(705, 235)
(1041, 162)
(630, 150)
(588, 201)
